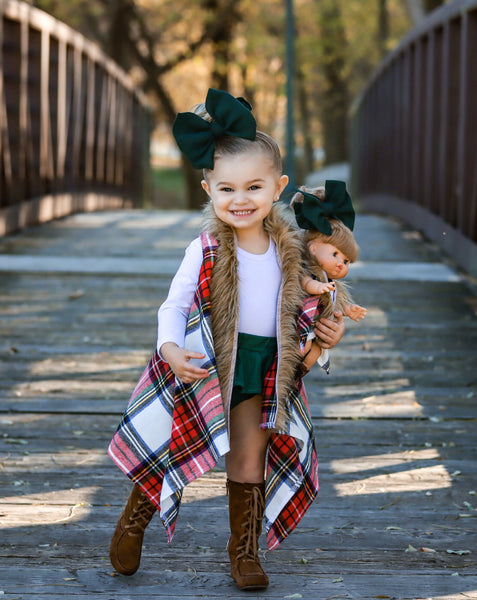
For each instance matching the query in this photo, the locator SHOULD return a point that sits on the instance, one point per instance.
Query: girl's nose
(241, 198)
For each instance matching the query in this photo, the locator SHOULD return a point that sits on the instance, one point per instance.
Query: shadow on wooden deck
(395, 424)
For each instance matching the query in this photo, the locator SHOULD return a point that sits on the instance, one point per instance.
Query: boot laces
(141, 515)
(248, 547)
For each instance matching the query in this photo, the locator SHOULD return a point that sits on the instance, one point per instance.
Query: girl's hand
(330, 332)
(178, 359)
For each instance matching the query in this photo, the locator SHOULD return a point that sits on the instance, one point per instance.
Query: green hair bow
(197, 138)
(314, 214)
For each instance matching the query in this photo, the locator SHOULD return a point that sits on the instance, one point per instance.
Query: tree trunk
(195, 194)
(383, 26)
(221, 39)
(415, 8)
(305, 123)
(335, 99)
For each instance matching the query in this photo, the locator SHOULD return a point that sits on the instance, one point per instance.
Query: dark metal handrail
(70, 118)
(414, 132)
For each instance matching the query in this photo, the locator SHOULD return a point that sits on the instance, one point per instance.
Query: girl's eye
(346, 261)
(254, 187)
(226, 189)
(335, 254)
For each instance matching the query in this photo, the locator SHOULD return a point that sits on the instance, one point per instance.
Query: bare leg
(245, 463)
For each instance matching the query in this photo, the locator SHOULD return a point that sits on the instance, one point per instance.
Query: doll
(327, 217)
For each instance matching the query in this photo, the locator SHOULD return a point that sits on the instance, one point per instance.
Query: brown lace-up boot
(126, 545)
(246, 506)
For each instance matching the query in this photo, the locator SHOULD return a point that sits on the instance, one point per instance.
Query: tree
(176, 49)
(335, 97)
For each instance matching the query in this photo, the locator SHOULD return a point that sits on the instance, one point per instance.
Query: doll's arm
(314, 287)
(355, 311)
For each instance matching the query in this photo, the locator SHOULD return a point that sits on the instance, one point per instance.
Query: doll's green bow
(314, 214)
(197, 138)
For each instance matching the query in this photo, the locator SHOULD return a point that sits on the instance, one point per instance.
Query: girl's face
(333, 262)
(242, 189)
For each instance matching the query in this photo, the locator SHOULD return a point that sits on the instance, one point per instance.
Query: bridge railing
(414, 132)
(71, 121)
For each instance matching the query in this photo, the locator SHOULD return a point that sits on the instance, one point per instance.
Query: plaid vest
(172, 432)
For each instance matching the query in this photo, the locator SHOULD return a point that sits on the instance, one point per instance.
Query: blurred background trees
(176, 49)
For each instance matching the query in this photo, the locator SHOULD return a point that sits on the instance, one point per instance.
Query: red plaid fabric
(171, 432)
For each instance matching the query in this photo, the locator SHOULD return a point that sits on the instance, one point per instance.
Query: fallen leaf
(18, 441)
(455, 473)
(304, 561)
(294, 596)
(410, 549)
(75, 295)
(337, 580)
(393, 528)
(459, 552)
(424, 549)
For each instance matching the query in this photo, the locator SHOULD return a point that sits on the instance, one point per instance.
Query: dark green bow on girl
(197, 137)
(314, 214)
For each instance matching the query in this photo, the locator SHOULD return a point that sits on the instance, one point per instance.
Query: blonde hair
(229, 145)
(341, 237)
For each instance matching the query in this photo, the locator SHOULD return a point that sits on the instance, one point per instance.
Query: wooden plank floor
(395, 424)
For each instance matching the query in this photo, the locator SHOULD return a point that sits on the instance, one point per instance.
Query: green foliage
(168, 188)
(176, 49)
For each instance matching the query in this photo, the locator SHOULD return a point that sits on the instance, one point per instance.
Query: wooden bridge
(74, 131)
(394, 421)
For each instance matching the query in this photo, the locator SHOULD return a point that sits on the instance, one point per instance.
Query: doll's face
(333, 262)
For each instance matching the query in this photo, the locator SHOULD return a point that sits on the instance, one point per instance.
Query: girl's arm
(173, 314)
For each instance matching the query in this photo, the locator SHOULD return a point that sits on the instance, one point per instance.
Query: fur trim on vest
(225, 301)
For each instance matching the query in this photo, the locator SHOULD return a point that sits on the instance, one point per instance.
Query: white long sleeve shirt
(259, 285)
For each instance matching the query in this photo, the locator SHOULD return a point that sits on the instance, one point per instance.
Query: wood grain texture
(395, 427)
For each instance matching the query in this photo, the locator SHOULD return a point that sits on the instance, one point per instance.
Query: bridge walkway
(394, 423)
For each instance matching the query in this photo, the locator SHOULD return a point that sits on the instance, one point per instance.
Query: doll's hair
(341, 236)
(228, 145)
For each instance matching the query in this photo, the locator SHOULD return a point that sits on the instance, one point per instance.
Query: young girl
(223, 380)
(327, 216)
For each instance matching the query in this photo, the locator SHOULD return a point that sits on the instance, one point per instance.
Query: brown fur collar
(225, 300)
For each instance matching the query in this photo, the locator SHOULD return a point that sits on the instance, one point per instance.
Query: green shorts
(255, 355)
